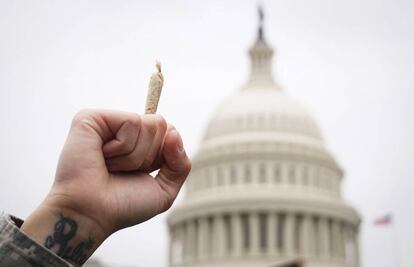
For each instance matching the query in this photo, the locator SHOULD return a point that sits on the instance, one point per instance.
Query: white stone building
(264, 189)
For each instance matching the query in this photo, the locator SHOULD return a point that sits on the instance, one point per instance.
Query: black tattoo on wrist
(65, 229)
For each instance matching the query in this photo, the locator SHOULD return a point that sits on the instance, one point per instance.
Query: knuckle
(133, 162)
(151, 128)
(124, 146)
(161, 123)
(170, 127)
(156, 123)
(82, 116)
(136, 122)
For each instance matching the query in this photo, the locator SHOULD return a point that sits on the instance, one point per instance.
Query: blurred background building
(264, 190)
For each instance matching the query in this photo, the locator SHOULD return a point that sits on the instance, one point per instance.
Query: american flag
(384, 220)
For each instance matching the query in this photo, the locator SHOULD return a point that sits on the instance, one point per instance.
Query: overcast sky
(351, 62)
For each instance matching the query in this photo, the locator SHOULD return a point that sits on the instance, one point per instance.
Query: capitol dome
(264, 189)
(277, 112)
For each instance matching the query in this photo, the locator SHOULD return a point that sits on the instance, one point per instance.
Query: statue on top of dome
(261, 19)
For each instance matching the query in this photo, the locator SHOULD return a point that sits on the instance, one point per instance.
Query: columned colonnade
(274, 234)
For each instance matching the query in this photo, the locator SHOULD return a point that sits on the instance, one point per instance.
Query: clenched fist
(103, 181)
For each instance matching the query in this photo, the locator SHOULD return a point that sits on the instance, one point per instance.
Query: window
(209, 178)
(250, 121)
(325, 180)
(305, 175)
(196, 181)
(247, 174)
(203, 181)
(336, 185)
(220, 176)
(329, 182)
(261, 121)
(245, 231)
(262, 173)
(276, 173)
(274, 122)
(316, 178)
(292, 173)
(321, 180)
(233, 175)
(240, 121)
(263, 231)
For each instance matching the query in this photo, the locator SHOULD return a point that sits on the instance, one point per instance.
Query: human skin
(103, 181)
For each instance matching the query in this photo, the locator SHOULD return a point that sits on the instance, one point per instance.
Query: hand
(103, 180)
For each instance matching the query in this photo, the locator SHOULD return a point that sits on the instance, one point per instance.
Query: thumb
(175, 169)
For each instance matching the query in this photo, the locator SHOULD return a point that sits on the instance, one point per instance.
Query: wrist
(71, 235)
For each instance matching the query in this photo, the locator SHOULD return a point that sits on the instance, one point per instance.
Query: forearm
(70, 235)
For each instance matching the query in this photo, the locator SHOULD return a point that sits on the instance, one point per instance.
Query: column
(213, 236)
(315, 238)
(356, 244)
(347, 247)
(288, 234)
(254, 233)
(335, 239)
(171, 244)
(202, 238)
(342, 238)
(178, 247)
(220, 236)
(305, 236)
(236, 234)
(323, 231)
(271, 232)
(185, 242)
(191, 246)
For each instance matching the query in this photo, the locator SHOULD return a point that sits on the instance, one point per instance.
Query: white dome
(271, 110)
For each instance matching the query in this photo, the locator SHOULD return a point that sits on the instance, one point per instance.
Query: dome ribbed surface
(261, 110)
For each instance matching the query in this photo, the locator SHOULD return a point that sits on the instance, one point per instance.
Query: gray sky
(351, 62)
